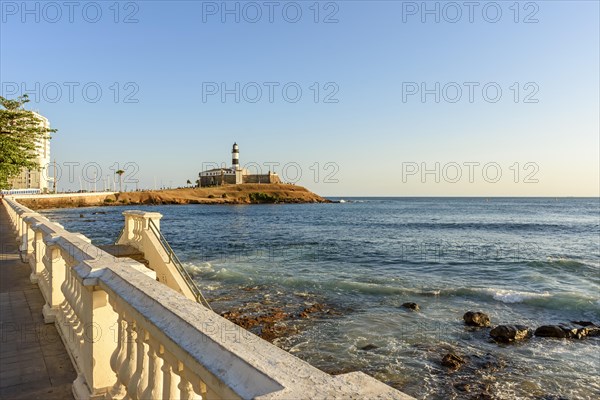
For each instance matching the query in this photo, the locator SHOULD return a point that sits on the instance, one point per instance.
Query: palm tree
(189, 182)
(120, 173)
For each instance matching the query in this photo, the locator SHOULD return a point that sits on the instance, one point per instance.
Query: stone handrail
(130, 336)
(139, 232)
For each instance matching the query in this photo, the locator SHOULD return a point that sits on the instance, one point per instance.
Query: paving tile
(33, 361)
(40, 391)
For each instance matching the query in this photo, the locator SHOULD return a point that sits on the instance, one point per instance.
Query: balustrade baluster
(170, 378)
(155, 373)
(120, 354)
(139, 363)
(128, 367)
(144, 371)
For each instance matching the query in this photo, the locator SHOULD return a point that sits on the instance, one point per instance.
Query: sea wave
(545, 299)
(515, 296)
(201, 268)
(488, 226)
(558, 262)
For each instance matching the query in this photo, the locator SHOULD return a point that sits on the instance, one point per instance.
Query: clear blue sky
(371, 56)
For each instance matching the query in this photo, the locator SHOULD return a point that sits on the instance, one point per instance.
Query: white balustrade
(132, 337)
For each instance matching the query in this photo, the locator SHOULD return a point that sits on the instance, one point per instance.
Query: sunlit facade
(37, 178)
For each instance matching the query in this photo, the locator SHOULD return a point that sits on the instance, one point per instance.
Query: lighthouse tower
(235, 164)
(235, 157)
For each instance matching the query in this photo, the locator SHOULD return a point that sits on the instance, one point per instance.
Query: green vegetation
(224, 195)
(120, 173)
(259, 197)
(20, 133)
(211, 196)
(107, 200)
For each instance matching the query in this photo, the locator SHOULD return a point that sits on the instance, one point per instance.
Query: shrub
(224, 195)
(259, 197)
(211, 196)
(107, 200)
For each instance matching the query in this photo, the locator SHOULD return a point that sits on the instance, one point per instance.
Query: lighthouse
(235, 164)
(235, 157)
(234, 175)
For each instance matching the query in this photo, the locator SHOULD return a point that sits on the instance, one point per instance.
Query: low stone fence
(130, 336)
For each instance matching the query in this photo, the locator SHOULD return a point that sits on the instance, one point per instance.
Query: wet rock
(81, 216)
(476, 319)
(593, 331)
(274, 331)
(510, 333)
(369, 347)
(453, 361)
(463, 387)
(482, 396)
(312, 309)
(411, 306)
(584, 323)
(488, 362)
(580, 333)
(566, 331)
(553, 331)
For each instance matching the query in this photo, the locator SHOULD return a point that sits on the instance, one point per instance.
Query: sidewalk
(33, 361)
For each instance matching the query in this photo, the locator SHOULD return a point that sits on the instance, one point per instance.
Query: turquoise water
(522, 261)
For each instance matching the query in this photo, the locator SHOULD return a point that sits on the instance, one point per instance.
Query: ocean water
(527, 261)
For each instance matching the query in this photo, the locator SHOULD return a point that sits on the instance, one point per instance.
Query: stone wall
(264, 178)
(206, 181)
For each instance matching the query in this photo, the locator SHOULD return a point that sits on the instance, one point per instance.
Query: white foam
(515, 296)
(195, 268)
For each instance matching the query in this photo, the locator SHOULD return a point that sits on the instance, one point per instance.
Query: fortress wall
(264, 178)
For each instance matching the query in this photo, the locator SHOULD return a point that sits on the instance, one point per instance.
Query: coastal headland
(225, 194)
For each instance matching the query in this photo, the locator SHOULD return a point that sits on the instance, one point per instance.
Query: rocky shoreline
(272, 316)
(226, 194)
(470, 373)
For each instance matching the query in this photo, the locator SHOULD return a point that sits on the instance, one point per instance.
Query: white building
(36, 179)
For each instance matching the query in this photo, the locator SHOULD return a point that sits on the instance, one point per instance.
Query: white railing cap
(142, 214)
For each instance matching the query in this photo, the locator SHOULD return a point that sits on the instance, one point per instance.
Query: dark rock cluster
(271, 323)
(514, 333)
(510, 333)
(411, 306)
(478, 319)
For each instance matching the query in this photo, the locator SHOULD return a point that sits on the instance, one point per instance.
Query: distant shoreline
(226, 194)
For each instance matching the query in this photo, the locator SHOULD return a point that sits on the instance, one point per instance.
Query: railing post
(55, 265)
(136, 222)
(154, 217)
(28, 234)
(36, 261)
(98, 344)
(128, 230)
